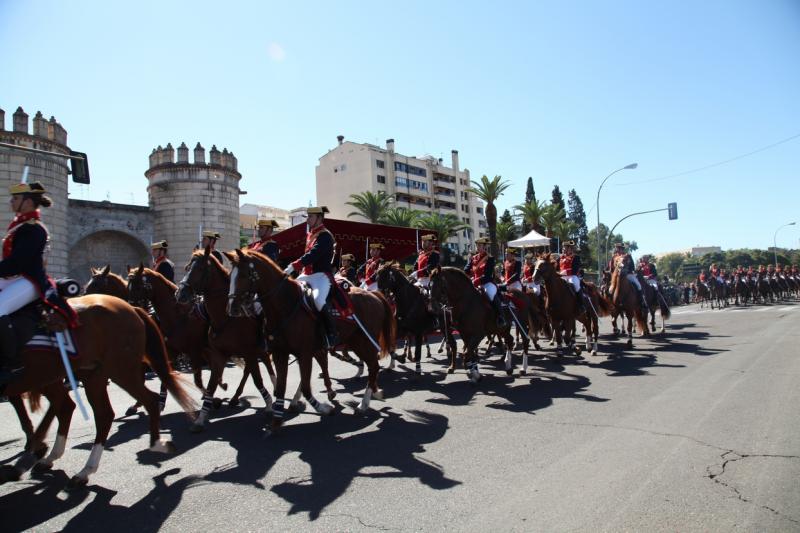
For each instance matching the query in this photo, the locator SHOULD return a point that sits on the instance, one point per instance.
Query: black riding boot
(581, 306)
(329, 323)
(642, 300)
(10, 364)
(501, 319)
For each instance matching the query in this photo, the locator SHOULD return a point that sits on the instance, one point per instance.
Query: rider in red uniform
(428, 259)
(481, 268)
(527, 274)
(368, 272)
(265, 244)
(161, 262)
(569, 265)
(512, 271)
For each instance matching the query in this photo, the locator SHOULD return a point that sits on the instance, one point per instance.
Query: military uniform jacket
(269, 248)
(627, 263)
(481, 268)
(368, 272)
(569, 265)
(425, 262)
(165, 267)
(512, 271)
(527, 273)
(648, 270)
(349, 273)
(318, 253)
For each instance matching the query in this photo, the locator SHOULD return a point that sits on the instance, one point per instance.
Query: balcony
(445, 194)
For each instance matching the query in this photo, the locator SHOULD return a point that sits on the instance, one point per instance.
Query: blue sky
(565, 92)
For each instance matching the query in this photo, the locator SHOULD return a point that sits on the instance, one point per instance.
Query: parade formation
(263, 309)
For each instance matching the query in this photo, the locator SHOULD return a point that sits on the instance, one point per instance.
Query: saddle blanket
(339, 296)
(44, 339)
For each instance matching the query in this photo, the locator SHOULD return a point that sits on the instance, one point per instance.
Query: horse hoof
(9, 473)
(331, 395)
(217, 403)
(131, 411)
(378, 395)
(577, 350)
(536, 345)
(42, 468)
(41, 451)
(163, 446)
(223, 386)
(298, 407)
(523, 373)
(196, 428)
(594, 352)
(509, 371)
(630, 344)
(451, 370)
(76, 483)
(233, 402)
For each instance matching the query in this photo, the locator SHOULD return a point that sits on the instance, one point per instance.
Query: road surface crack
(360, 521)
(730, 456)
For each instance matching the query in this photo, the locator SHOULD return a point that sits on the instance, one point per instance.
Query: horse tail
(604, 306)
(386, 339)
(156, 357)
(34, 400)
(662, 305)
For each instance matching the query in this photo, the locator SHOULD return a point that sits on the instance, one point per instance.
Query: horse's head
(103, 281)
(389, 278)
(543, 268)
(140, 291)
(242, 292)
(200, 276)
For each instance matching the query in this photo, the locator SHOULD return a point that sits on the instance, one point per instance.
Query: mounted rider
(716, 272)
(527, 274)
(347, 270)
(427, 259)
(481, 268)
(23, 278)
(628, 269)
(512, 271)
(209, 240)
(315, 268)
(569, 265)
(265, 244)
(648, 271)
(368, 272)
(162, 263)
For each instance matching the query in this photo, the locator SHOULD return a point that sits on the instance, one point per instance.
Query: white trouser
(575, 280)
(423, 282)
(15, 293)
(320, 287)
(533, 287)
(653, 283)
(633, 279)
(514, 286)
(720, 279)
(491, 290)
(369, 287)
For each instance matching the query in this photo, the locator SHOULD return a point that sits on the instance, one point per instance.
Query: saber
(70, 375)
(360, 325)
(519, 325)
(25, 174)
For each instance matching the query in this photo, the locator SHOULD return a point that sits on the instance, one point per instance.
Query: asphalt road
(694, 431)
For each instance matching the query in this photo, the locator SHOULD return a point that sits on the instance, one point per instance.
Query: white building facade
(422, 184)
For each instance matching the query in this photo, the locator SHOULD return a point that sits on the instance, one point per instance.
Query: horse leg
(234, 401)
(255, 373)
(595, 333)
(305, 364)
(132, 410)
(630, 330)
(322, 360)
(63, 408)
(216, 362)
(149, 401)
(97, 395)
(370, 356)
(453, 356)
(24, 420)
(281, 361)
(509, 341)
(418, 339)
(471, 361)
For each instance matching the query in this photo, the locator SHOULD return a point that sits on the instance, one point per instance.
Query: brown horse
(103, 281)
(655, 301)
(294, 328)
(473, 316)
(228, 336)
(562, 307)
(113, 338)
(626, 300)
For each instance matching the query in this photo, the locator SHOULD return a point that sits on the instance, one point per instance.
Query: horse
(625, 299)
(294, 328)
(228, 336)
(740, 289)
(103, 281)
(718, 292)
(112, 340)
(655, 300)
(472, 316)
(413, 317)
(562, 307)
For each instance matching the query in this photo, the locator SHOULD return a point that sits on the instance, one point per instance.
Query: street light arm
(632, 166)
(775, 241)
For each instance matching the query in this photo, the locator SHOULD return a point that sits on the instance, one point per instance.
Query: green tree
(605, 254)
(506, 231)
(489, 190)
(558, 198)
(369, 205)
(400, 216)
(671, 264)
(577, 216)
(445, 226)
(530, 196)
(531, 214)
(565, 230)
(552, 214)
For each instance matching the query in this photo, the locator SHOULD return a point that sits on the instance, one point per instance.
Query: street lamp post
(775, 242)
(632, 166)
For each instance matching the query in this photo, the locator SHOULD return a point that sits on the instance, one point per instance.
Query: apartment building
(420, 183)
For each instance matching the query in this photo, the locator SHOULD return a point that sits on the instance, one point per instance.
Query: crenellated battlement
(161, 156)
(50, 130)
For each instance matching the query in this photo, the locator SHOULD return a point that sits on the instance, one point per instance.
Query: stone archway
(105, 247)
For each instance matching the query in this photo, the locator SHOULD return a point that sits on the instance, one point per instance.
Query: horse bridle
(147, 292)
(251, 293)
(203, 278)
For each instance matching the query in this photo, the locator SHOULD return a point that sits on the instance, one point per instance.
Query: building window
(381, 179)
(410, 184)
(380, 163)
(410, 169)
(479, 210)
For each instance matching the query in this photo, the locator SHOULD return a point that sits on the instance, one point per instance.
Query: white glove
(289, 270)
(413, 275)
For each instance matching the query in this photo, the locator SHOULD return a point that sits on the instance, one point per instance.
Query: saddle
(338, 296)
(35, 328)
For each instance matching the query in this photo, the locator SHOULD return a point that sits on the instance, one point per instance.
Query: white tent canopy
(531, 239)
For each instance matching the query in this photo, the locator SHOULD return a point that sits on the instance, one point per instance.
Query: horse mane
(154, 274)
(214, 260)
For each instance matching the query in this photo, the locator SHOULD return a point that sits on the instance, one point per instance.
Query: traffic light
(79, 164)
(672, 209)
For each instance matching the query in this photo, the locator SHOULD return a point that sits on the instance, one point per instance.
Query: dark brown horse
(113, 338)
(626, 300)
(473, 316)
(562, 306)
(655, 301)
(229, 337)
(414, 319)
(293, 328)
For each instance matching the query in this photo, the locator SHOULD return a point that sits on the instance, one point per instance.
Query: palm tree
(370, 206)
(552, 214)
(489, 190)
(445, 226)
(400, 216)
(506, 231)
(564, 230)
(531, 214)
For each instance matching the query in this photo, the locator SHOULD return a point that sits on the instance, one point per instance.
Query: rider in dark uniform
(481, 268)
(22, 273)
(161, 262)
(347, 270)
(210, 238)
(315, 268)
(265, 244)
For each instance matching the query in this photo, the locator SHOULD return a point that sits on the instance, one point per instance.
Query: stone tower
(185, 196)
(51, 171)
